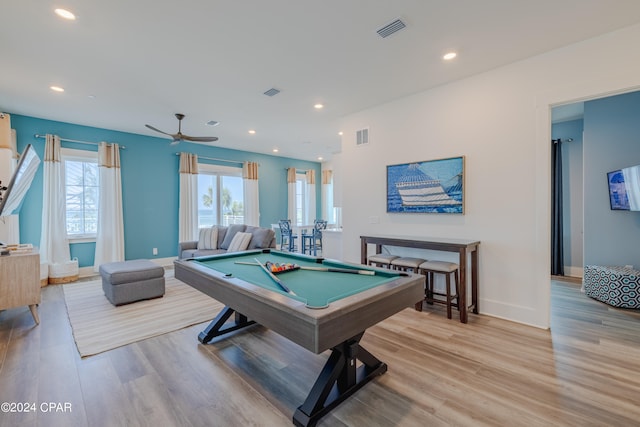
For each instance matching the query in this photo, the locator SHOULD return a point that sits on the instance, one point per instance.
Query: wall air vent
(391, 28)
(272, 92)
(362, 137)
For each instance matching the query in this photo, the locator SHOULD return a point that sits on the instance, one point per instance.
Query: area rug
(98, 326)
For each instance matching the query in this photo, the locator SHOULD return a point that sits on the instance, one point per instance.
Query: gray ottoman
(129, 281)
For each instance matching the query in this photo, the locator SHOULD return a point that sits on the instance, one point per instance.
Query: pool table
(321, 310)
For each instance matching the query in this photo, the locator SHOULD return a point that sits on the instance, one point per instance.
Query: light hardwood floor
(489, 372)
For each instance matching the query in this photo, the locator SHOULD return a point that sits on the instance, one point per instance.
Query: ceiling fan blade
(200, 138)
(178, 137)
(157, 130)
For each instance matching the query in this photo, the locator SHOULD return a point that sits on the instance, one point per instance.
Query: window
(81, 183)
(220, 196)
(301, 198)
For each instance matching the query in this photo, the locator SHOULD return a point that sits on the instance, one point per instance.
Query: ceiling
(124, 64)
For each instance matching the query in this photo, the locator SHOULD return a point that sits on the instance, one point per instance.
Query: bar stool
(407, 264)
(429, 269)
(287, 237)
(315, 238)
(381, 260)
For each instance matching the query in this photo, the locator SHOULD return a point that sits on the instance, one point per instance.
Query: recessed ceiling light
(340, 133)
(56, 88)
(213, 123)
(449, 56)
(63, 13)
(319, 157)
(275, 150)
(318, 106)
(251, 131)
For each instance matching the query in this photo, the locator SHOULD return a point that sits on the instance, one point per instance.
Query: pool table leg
(215, 328)
(338, 380)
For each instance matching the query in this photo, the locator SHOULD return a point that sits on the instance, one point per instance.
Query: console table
(20, 281)
(461, 246)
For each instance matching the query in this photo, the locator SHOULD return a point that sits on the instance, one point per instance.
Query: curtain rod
(298, 170)
(76, 141)
(216, 159)
(562, 140)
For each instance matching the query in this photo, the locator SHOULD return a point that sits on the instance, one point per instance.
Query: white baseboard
(165, 262)
(574, 271)
(514, 313)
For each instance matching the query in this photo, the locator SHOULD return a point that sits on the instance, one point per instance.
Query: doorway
(567, 126)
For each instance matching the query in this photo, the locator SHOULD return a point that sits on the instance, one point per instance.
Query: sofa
(222, 239)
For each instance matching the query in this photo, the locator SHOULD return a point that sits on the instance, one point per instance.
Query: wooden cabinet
(20, 281)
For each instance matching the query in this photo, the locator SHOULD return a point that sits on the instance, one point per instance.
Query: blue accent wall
(611, 142)
(150, 185)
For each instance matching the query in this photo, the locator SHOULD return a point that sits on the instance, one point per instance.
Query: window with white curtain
(81, 183)
(220, 195)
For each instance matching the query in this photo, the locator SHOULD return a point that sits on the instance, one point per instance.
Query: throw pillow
(240, 242)
(262, 237)
(231, 232)
(208, 238)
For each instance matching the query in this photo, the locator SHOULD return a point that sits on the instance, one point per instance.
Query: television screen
(624, 189)
(20, 182)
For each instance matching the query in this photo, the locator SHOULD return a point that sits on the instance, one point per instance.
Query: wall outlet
(155, 251)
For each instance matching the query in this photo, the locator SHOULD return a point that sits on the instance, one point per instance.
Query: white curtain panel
(310, 202)
(9, 225)
(327, 197)
(110, 238)
(251, 194)
(54, 246)
(188, 203)
(291, 195)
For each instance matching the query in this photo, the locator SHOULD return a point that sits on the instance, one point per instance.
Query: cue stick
(275, 279)
(341, 270)
(331, 269)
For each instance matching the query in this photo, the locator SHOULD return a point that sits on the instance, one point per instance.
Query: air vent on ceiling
(272, 92)
(362, 137)
(391, 28)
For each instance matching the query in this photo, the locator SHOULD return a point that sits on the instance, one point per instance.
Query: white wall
(500, 121)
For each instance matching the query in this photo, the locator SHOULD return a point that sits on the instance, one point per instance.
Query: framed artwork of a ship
(433, 186)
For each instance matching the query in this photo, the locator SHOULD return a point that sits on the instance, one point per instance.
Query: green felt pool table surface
(317, 289)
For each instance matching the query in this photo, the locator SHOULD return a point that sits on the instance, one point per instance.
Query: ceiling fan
(178, 137)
